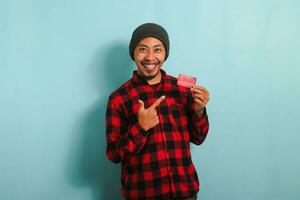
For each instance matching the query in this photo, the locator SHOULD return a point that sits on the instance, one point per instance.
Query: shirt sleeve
(123, 140)
(198, 127)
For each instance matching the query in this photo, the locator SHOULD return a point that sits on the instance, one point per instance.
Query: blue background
(60, 59)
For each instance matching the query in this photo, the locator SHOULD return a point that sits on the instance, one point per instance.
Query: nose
(150, 55)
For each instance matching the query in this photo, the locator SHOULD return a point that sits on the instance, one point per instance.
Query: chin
(150, 76)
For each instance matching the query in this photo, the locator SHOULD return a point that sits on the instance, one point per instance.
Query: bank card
(186, 81)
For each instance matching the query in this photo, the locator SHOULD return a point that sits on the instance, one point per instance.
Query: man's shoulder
(171, 78)
(121, 90)
(178, 91)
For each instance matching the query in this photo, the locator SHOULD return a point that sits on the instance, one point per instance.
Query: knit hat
(149, 30)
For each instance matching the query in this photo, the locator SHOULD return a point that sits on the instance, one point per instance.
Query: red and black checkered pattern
(155, 164)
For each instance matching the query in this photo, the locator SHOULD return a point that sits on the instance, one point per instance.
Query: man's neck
(156, 79)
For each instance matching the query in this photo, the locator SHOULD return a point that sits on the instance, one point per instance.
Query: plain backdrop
(60, 59)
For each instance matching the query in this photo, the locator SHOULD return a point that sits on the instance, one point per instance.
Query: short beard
(157, 61)
(150, 77)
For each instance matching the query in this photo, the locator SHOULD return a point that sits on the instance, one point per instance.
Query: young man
(150, 122)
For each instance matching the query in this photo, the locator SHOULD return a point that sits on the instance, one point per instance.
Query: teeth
(149, 66)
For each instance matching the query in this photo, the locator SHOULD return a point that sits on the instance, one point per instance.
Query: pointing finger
(158, 101)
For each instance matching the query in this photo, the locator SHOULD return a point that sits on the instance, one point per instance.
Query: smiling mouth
(149, 66)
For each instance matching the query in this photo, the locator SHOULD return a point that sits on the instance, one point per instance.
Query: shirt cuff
(137, 131)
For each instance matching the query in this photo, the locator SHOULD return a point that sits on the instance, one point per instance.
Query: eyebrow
(157, 45)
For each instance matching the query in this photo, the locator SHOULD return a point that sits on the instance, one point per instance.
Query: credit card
(186, 81)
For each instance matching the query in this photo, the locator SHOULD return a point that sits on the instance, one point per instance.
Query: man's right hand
(148, 118)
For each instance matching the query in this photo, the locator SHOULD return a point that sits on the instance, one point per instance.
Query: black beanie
(149, 30)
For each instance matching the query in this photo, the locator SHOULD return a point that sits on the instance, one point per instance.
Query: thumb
(141, 107)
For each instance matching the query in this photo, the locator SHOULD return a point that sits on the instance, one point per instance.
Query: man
(150, 122)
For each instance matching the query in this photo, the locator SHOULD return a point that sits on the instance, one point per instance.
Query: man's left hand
(201, 98)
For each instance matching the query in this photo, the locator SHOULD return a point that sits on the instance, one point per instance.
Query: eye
(142, 49)
(157, 50)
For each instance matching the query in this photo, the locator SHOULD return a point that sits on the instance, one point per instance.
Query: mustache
(147, 61)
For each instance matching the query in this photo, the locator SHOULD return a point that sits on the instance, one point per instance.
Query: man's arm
(198, 127)
(198, 119)
(123, 140)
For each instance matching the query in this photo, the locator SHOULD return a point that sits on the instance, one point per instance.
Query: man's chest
(173, 109)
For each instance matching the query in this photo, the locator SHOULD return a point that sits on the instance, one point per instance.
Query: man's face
(149, 56)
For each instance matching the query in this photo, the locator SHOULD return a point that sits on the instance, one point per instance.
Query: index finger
(158, 101)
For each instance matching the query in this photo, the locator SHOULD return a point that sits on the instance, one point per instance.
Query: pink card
(186, 81)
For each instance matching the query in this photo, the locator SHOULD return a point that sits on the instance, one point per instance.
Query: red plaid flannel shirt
(156, 164)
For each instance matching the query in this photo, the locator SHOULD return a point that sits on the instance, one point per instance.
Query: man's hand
(148, 117)
(201, 97)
